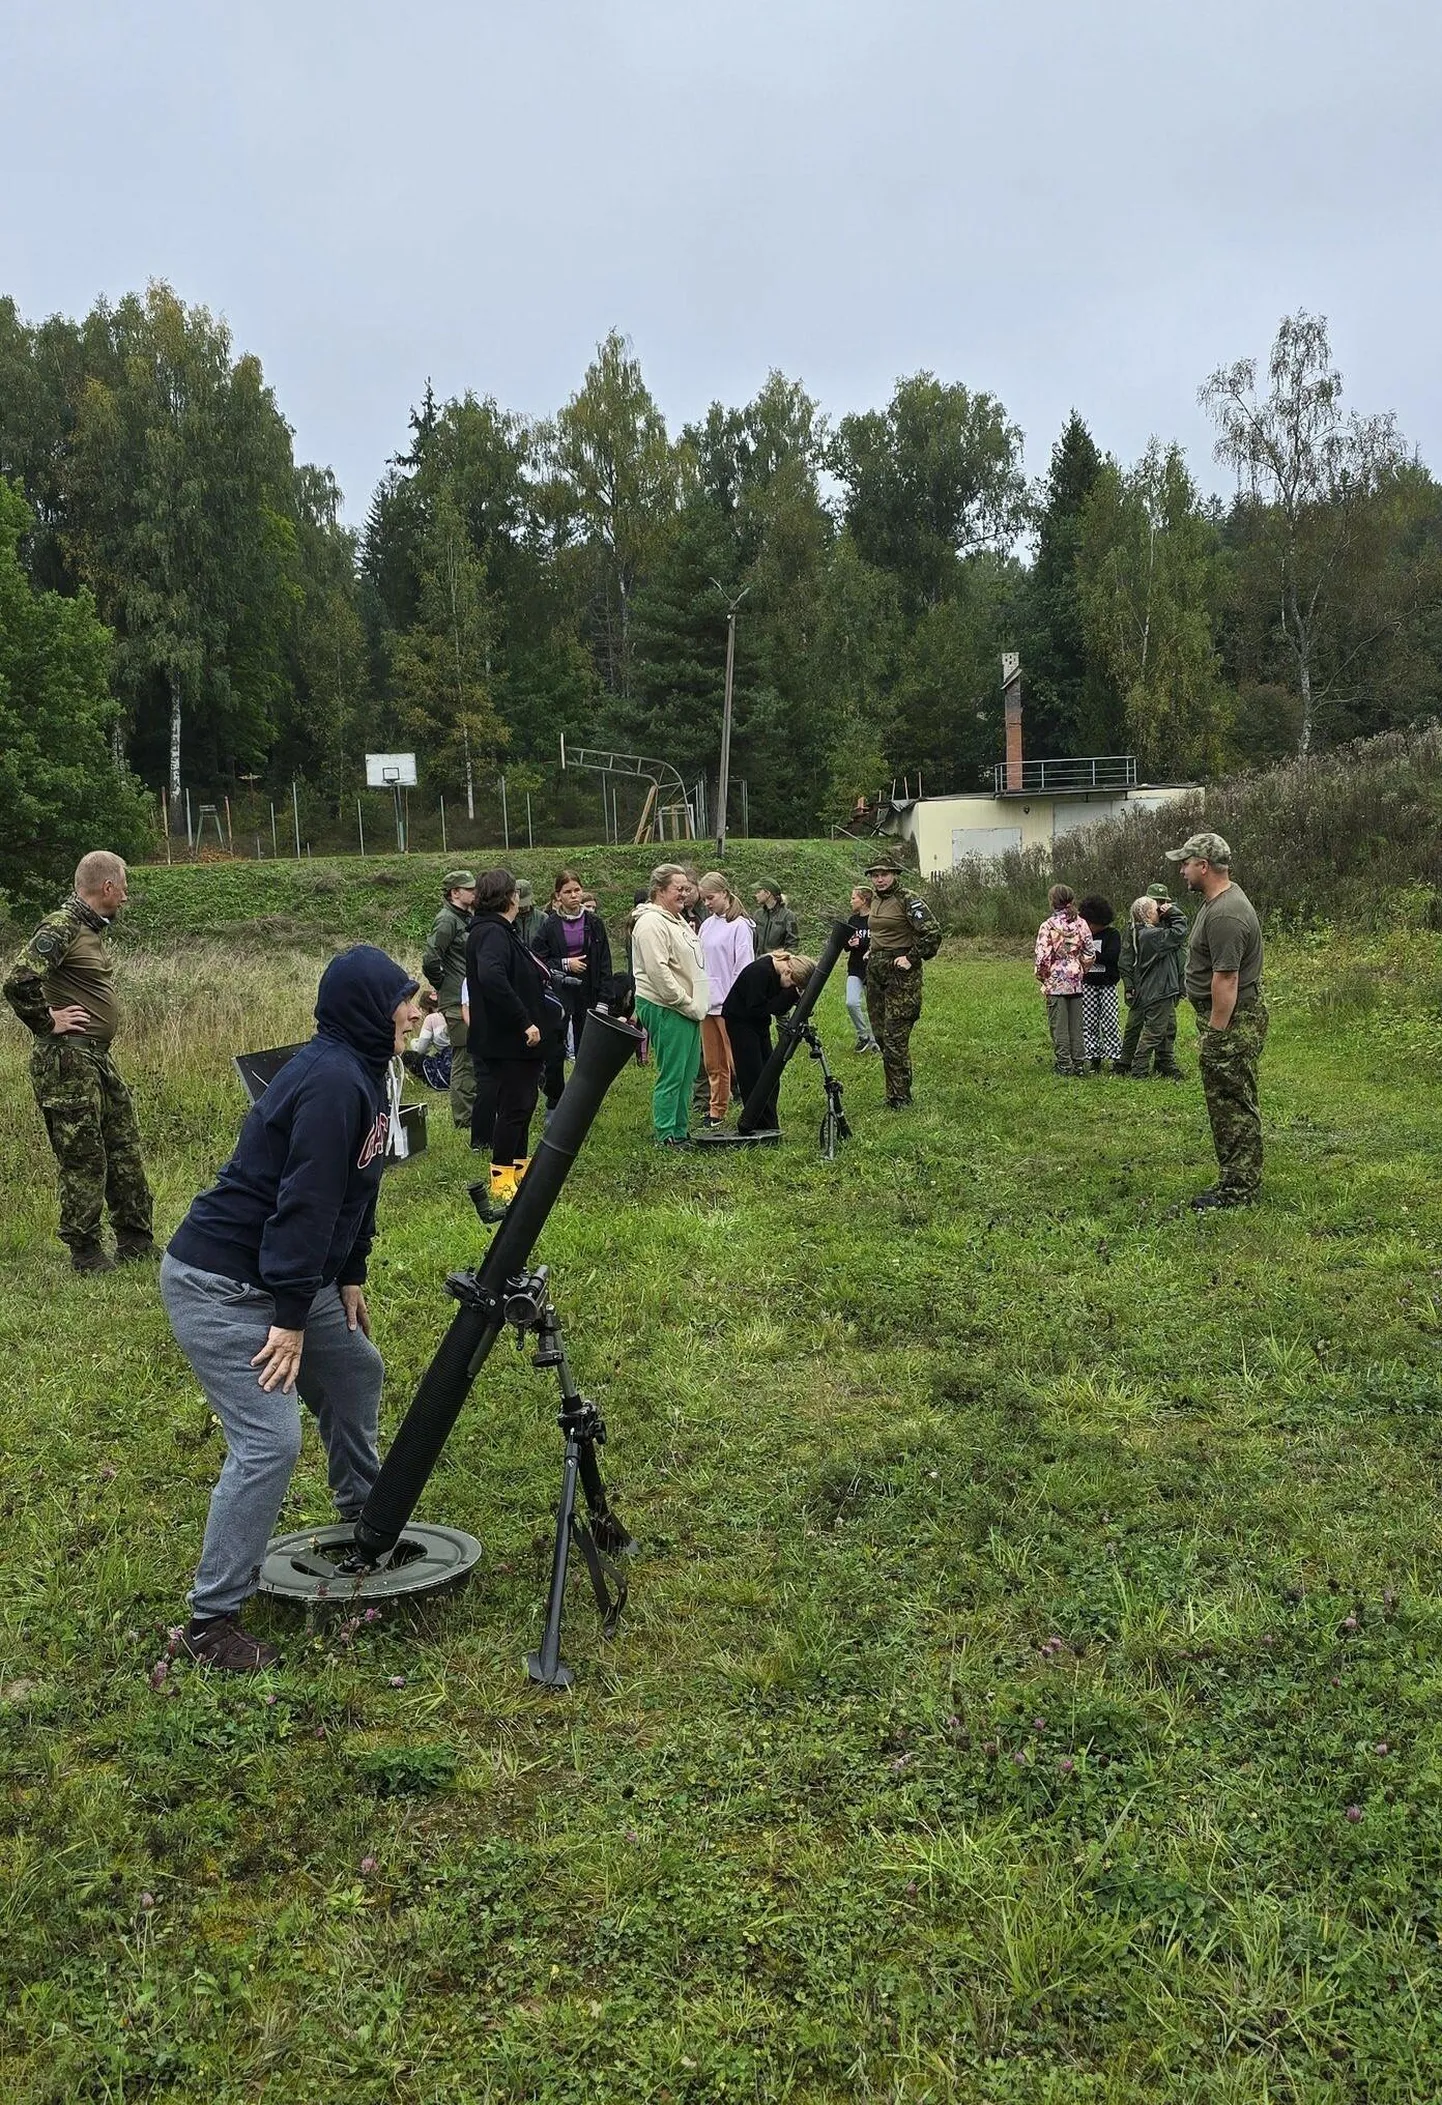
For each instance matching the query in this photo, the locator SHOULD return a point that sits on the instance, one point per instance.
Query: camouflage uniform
(1228, 1064)
(444, 965)
(86, 1106)
(893, 1003)
(900, 926)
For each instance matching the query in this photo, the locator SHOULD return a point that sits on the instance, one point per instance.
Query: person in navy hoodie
(264, 1285)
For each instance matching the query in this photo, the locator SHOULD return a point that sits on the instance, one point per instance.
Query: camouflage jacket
(66, 961)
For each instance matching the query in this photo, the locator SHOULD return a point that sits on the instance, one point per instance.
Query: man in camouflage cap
(62, 987)
(444, 965)
(903, 932)
(1224, 986)
(1136, 1007)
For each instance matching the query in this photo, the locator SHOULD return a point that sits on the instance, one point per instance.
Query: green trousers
(675, 1055)
(463, 1075)
(90, 1121)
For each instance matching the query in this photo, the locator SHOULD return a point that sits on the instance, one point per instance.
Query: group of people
(264, 1281)
(1082, 959)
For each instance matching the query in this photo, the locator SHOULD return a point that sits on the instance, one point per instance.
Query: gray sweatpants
(220, 1325)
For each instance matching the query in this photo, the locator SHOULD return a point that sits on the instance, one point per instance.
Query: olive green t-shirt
(1226, 937)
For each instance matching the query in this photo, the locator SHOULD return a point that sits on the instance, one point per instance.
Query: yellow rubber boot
(521, 1167)
(503, 1183)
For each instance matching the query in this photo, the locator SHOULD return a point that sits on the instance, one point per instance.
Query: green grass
(1032, 1576)
(381, 899)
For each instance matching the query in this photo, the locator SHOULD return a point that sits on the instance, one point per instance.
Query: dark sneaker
(136, 1249)
(220, 1642)
(90, 1257)
(1205, 1201)
(673, 1140)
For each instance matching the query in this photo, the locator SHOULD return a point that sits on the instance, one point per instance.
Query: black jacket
(1104, 969)
(579, 990)
(508, 989)
(757, 995)
(860, 925)
(294, 1208)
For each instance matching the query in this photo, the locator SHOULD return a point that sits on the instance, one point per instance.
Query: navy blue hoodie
(294, 1208)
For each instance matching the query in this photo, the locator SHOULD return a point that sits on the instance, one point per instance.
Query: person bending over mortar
(264, 1285)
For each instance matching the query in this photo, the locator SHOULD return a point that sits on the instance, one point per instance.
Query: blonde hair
(98, 868)
(801, 966)
(664, 872)
(1140, 911)
(714, 881)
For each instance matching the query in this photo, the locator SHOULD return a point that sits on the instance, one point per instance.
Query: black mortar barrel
(790, 1027)
(606, 1045)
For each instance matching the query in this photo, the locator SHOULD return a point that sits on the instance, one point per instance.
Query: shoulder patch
(48, 941)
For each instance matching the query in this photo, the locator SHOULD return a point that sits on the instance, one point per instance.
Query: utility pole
(725, 780)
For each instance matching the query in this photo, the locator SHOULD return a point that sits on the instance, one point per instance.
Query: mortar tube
(606, 1046)
(789, 1029)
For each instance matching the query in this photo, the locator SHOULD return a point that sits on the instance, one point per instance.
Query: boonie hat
(882, 865)
(1209, 846)
(767, 884)
(457, 880)
(1158, 892)
(525, 891)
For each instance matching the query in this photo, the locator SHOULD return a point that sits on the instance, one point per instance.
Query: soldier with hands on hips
(62, 987)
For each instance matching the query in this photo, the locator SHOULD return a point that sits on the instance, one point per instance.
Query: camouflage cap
(457, 880)
(1158, 892)
(1207, 847)
(889, 864)
(525, 891)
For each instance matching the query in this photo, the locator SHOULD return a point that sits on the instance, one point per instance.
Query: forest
(181, 601)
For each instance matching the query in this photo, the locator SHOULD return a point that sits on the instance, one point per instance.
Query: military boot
(136, 1249)
(90, 1257)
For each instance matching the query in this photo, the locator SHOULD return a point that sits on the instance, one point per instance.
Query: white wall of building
(949, 829)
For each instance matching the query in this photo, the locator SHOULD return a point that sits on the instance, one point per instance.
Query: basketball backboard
(390, 770)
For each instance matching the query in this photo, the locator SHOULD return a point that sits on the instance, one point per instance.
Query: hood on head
(356, 1002)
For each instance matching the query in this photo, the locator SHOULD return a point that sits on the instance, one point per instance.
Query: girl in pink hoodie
(727, 941)
(1065, 946)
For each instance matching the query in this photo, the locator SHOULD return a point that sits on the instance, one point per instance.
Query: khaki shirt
(1226, 937)
(65, 961)
(890, 925)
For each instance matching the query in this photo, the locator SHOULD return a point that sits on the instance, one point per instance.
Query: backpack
(925, 928)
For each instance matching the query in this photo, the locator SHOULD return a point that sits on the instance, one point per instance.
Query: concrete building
(1031, 802)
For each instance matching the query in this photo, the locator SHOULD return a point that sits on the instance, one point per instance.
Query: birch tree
(1313, 474)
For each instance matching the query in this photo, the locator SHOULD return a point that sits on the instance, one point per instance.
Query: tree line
(518, 578)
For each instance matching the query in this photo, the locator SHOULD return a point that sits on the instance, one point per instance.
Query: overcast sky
(1065, 202)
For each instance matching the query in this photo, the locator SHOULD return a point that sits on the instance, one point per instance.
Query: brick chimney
(1011, 704)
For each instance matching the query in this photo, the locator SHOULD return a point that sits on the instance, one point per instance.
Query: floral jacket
(1064, 948)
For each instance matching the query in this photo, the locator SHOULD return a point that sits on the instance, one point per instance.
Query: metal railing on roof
(1064, 777)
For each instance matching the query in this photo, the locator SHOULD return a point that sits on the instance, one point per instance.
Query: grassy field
(1029, 1691)
(349, 899)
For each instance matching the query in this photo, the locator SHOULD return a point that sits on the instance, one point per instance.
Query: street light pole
(724, 784)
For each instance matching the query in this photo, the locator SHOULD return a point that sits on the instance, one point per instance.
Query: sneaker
(1205, 1201)
(90, 1257)
(674, 1140)
(136, 1249)
(219, 1641)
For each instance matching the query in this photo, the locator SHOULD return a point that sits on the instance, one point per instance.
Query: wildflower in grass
(147, 1902)
(398, 1681)
(158, 1673)
(1066, 1765)
(1354, 1813)
(1349, 1624)
(367, 1866)
(1382, 1747)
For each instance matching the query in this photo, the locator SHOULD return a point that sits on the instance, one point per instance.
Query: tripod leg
(545, 1665)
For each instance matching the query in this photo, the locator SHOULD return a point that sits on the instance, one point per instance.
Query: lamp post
(725, 781)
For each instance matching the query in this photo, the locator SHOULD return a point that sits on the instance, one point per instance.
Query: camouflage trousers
(1228, 1062)
(893, 1003)
(91, 1123)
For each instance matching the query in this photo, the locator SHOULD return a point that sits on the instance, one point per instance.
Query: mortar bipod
(527, 1307)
